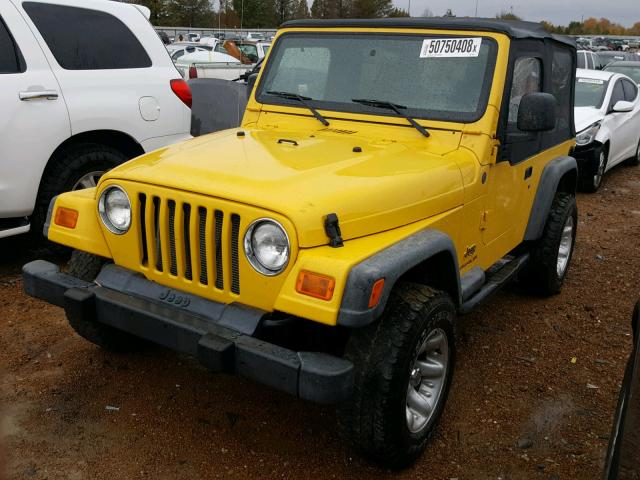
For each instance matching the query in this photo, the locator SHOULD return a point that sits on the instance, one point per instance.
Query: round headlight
(266, 246)
(115, 210)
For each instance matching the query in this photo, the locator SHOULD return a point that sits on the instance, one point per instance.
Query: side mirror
(537, 112)
(622, 107)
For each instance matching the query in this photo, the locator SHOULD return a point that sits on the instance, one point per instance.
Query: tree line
(590, 26)
(261, 13)
(271, 13)
(593, 26)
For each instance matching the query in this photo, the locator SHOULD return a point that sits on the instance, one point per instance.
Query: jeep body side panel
(390, 264)
(547, 187)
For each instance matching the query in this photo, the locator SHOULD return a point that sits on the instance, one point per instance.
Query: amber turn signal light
(315, 285)
(376, 293)
(66, 217)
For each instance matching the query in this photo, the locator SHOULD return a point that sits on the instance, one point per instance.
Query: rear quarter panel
(110, 99)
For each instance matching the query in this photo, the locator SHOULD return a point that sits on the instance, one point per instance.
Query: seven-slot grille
(194, 242)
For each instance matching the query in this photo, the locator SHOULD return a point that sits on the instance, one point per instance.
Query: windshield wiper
(392, 106)
(303, 101)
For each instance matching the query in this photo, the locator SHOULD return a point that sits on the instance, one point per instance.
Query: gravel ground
(533, 394)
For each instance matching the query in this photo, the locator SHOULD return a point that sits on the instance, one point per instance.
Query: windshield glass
(633, 72)
(590, 92)
(433, 76)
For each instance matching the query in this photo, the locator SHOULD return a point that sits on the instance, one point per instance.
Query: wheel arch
(112, 138)
(117, 140)
(559, 175)
(427, 257)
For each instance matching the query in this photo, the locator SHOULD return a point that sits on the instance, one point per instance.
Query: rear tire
(86, 266)
(380, 420)
(551, 255)
(66, 170)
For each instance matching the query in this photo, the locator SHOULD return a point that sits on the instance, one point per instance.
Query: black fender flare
(390, 264)
(547, 188)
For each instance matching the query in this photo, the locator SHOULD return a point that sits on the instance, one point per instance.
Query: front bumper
(587, 156)
(220, 336)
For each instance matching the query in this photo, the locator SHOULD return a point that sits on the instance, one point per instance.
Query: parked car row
(214, 58)
(599, 60)
(599, 44)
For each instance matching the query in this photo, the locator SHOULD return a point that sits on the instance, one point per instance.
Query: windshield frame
(264, 98)
(605, 89)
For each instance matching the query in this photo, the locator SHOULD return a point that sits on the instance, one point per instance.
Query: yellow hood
(386, 185)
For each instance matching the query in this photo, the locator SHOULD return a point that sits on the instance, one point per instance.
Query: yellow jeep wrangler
(388, 175)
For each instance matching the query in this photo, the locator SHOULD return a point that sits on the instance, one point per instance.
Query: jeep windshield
(435, 77)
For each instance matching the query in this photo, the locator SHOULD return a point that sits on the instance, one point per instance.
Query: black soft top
(512, 28)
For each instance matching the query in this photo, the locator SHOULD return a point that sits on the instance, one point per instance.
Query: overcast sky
(625, 12)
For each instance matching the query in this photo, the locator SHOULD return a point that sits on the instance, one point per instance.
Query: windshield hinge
(332, 229)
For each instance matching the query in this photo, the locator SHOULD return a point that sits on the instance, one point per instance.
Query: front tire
(551, 255)
(76, 167)
(86, 266)
(591, 175)
(403, 369)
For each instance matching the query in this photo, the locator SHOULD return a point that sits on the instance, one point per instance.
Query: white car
(225, 66)
(186, 50)
(84, 86)
(607, 118)
(209, 41)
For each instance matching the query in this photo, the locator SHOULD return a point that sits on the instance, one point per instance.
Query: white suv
(84, 86)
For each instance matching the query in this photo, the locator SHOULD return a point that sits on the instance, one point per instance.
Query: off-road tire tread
(86, 266)
(540, 274)
(382, 347)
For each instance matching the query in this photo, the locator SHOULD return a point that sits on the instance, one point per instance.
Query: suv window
(630, 90)
(617, 94)
(590, 63)
(10, 57)
(85, 39)
(582, 63)
(527, 78)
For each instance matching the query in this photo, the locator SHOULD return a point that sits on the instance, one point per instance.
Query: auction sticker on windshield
(594, 81)
(450, 47)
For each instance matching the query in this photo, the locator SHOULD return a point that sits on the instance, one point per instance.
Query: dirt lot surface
(533, 395)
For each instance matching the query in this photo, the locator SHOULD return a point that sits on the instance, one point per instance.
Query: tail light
(182, 91)
(193, 72)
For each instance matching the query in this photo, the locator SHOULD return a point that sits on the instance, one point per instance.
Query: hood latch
(332, 229)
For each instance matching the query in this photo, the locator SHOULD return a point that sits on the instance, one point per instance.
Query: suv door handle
(38, 95)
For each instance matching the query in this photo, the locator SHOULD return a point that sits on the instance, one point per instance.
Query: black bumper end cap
(79, 303)
(44, 280)
(324, 378)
